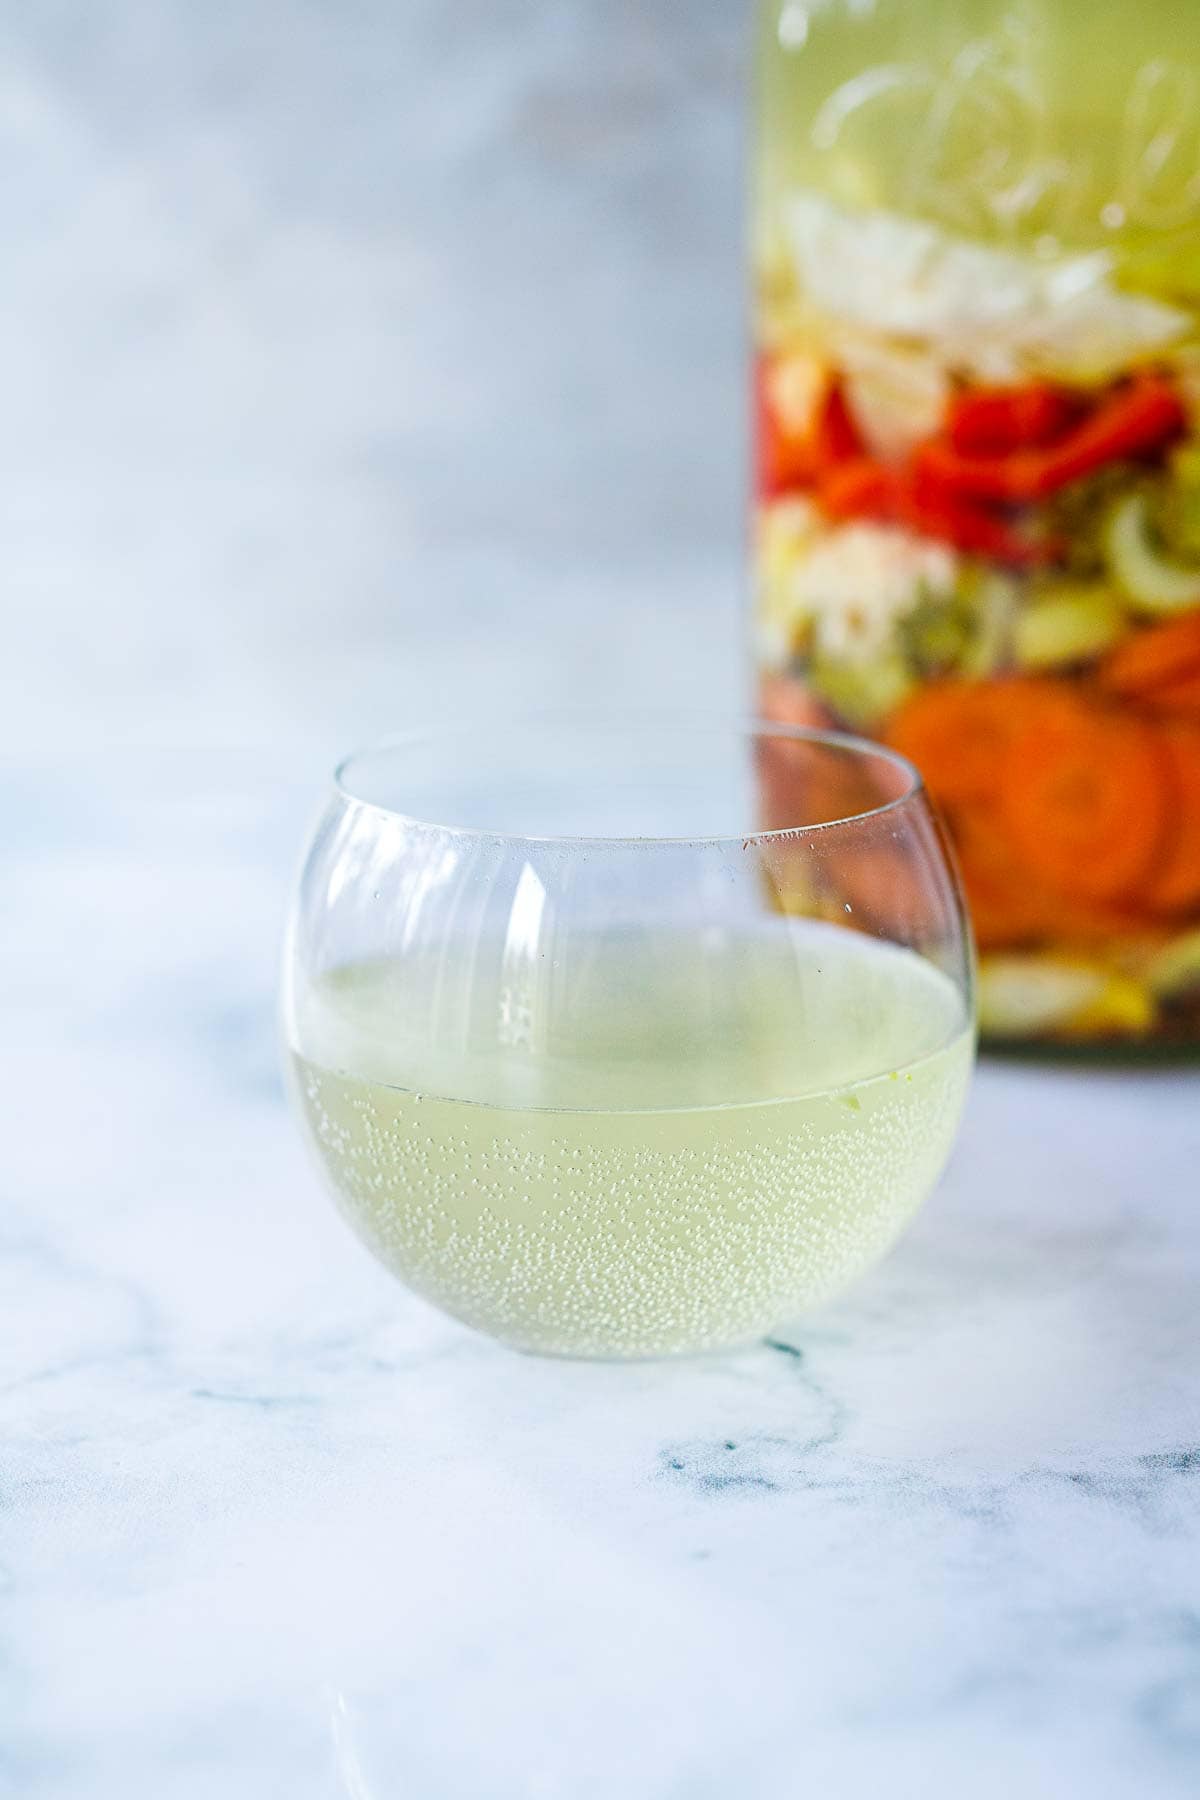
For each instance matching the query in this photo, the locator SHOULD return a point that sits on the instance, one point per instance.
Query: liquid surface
(1060, 124)
(640, 1184)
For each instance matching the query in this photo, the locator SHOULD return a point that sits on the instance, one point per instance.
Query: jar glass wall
(977, 508)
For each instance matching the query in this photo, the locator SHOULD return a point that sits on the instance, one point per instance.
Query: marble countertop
(268, 1527)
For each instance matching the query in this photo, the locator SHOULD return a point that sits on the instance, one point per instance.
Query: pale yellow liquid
(683, 1166)
(1062, 124)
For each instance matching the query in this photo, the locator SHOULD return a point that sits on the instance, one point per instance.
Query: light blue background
(361, 359)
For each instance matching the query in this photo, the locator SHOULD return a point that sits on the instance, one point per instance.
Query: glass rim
(743, 725)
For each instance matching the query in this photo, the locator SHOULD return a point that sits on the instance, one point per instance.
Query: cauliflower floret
(797, 386)
(897, 397)
(998, 314)
(787, 530)
(860, 581)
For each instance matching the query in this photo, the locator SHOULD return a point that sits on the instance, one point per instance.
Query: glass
(661, 1038)
(977, 380)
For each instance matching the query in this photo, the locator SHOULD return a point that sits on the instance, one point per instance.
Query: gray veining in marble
(365, 361)
(269, 1527)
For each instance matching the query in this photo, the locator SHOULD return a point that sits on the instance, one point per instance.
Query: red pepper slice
(993, 421)
(837, 440)
(789, 461)
(866, 489)
(784, 460)
(973, 529)
(1138, 419)
(861, 489)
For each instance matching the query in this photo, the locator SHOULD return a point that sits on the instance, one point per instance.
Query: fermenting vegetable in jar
(977, 419)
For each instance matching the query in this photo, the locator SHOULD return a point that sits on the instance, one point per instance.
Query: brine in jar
(977, 486)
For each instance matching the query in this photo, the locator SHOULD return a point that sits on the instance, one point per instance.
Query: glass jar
(977, 407)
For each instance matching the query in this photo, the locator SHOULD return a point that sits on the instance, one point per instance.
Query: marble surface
(365, 362)
(268, 1527)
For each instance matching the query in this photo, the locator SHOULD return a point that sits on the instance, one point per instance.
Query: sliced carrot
(1176, 885)
(1011, 908)
(884, 885)
(1153, 658)
(967, 736)
(1079, 923)
(1007, 910)
(786, 700)
(1180, 697)
(794, 781)
(1084, 796)
(805, 783)
(955, 732)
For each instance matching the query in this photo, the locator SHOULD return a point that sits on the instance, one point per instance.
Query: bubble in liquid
(731, 1218)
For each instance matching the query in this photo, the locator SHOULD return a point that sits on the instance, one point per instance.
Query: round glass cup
(628, 1037)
